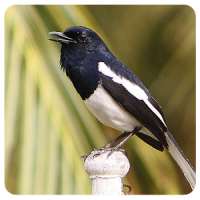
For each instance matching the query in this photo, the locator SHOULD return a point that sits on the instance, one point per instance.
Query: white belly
(109, 112)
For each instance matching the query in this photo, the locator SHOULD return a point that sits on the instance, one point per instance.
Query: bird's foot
(111, 150)
(100, 151)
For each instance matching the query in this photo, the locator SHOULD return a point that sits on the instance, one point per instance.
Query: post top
(104, 166)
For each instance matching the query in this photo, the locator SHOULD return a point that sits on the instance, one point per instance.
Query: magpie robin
(115, 95)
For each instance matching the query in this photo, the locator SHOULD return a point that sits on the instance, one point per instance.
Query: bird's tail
(181, 160)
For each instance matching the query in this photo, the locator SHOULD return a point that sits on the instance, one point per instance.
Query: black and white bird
(115, 95)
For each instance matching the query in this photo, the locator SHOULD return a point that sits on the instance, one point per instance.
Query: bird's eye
(82, 37)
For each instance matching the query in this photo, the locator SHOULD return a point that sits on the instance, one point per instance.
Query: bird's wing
(141, 108)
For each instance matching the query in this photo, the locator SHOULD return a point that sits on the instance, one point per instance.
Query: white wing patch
(134, 89)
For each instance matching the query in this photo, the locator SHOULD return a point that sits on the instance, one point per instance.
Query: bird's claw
(102, 150)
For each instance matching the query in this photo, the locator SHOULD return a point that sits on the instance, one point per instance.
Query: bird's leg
(107, 146)
(126, 135)
(115, 140)
(129, 135)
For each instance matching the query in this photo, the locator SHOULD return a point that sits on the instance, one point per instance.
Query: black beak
(64, 38)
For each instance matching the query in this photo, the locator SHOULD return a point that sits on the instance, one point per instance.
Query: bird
(115, 95)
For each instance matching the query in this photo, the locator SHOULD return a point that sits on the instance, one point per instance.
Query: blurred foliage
(47, 126)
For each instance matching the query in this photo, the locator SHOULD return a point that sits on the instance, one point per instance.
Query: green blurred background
(47, 126)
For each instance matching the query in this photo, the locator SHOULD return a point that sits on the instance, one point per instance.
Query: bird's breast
(109, 112)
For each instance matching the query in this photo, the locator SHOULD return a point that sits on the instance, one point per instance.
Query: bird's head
(80, 41)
